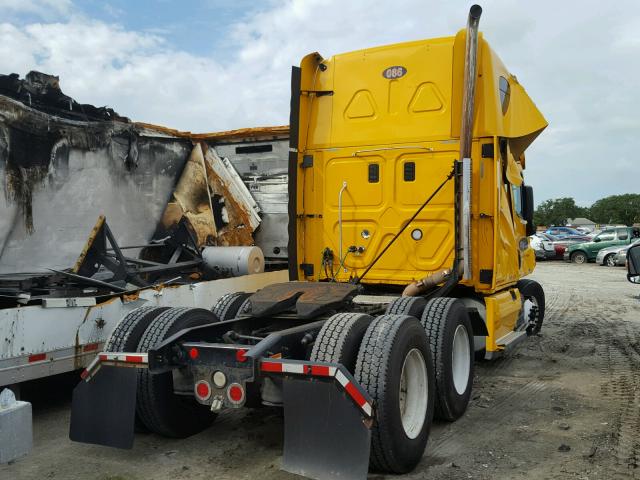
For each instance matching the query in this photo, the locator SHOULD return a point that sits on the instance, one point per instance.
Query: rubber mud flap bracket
(103, 409)
(325, 436)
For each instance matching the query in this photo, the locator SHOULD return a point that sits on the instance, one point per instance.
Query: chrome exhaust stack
(466, 135)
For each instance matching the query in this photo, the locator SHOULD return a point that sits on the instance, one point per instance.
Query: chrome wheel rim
(414, 393)
(461, 359)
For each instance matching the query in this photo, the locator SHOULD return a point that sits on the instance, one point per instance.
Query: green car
(587, 251)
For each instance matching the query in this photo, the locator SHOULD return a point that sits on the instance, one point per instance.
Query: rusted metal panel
(241, 134)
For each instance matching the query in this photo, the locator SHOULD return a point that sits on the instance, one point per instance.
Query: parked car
(607, 256)
(542, 246)
(561, 244)
(588, 251)
(562, 232)
(584, 230)
(621, 257)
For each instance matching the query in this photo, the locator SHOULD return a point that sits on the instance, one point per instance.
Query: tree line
(615, 209)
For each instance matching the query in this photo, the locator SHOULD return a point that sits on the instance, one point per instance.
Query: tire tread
(333, 336)
(371, 372)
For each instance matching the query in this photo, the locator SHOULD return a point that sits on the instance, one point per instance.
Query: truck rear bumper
(328, 414)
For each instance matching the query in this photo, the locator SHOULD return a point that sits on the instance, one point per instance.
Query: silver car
(607, 256)
(621, 257)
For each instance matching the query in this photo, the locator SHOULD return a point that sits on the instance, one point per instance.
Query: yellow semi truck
(409, 224)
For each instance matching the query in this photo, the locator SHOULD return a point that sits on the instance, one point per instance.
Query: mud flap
(326, 436)
(103, 409)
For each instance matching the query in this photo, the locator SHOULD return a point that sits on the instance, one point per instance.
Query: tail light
(203, 390)
(235, 393)
(241, 355)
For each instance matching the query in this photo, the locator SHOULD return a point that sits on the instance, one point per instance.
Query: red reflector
(271, 367)
(133, 359)
(240, 355)
(103, 358)
(319, 370)
(236, 393)
(203, 390)
(355, 394)
(37, 357)
(84, 374)
(194, 353)
(90, 347)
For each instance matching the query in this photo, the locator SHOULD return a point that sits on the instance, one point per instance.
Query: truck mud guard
(103, 406)
(328, 415)
(327, 420)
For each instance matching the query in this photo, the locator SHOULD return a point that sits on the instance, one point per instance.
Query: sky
(212, 65)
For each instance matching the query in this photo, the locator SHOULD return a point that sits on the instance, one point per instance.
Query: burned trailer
(260, 156)
(168, 215)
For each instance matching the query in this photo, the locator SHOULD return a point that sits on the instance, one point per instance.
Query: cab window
(607, 235)
(622, 234)
(517, 199)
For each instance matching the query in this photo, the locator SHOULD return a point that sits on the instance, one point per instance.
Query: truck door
(622, 235)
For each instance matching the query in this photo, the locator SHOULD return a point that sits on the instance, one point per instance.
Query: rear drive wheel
(159, 408)
(396, 368)
(230, 305)
(610, 260)
(339, 339)
(448, 326)
(413, 306)
(126, 337)
(532, 295)
(579, 257)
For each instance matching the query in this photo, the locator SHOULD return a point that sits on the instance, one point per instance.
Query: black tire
(388, 341)
(413, 306)
(610, 260)
(530, 289)
(126, 337)
(579, 257)
(339, 339)
(161, 410)
(230, 305)
(441, 319)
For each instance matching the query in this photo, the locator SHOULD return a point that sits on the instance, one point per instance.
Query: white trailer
(64, 334)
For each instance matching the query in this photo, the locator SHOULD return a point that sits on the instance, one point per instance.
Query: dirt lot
(564, 405)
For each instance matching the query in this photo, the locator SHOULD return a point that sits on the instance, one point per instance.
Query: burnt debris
(169, 196)
(42, 92)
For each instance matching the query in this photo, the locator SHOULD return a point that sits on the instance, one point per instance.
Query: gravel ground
(565, 404)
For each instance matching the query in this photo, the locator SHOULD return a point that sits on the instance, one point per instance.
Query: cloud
(578, 64)
(41, 8)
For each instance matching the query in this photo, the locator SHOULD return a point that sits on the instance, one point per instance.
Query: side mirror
(633, 264)
(527, 208)
(596, 239)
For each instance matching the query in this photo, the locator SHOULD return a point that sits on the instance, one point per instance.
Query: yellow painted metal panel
(353, 115)
(502, 314)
